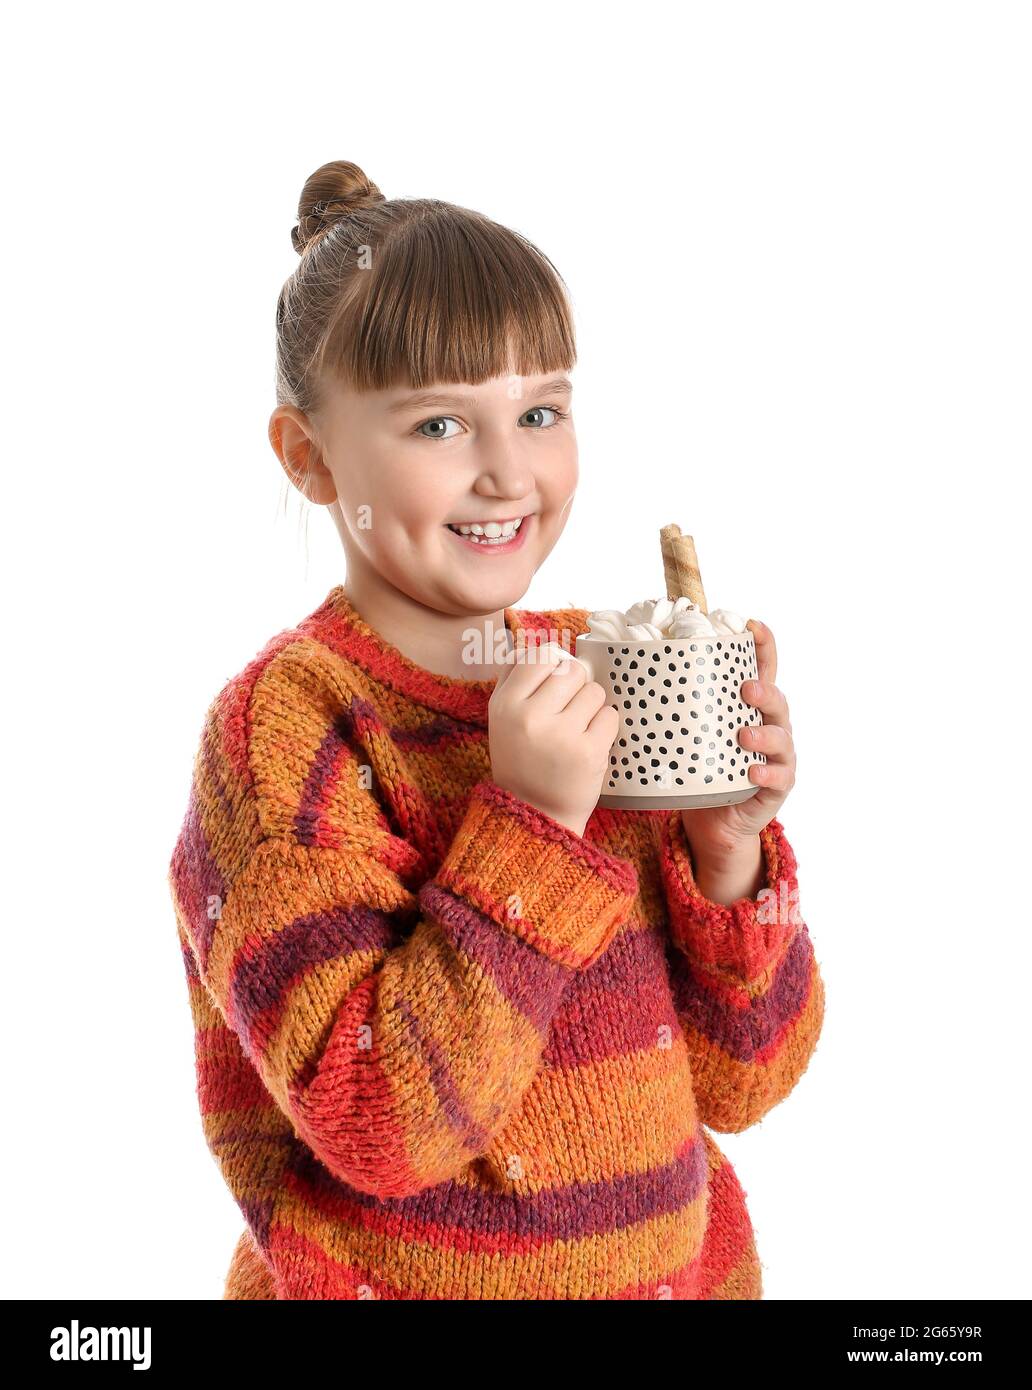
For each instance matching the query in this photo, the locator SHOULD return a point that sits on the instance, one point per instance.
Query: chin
(474, 601)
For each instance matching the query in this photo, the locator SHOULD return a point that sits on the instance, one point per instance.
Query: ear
(298, 450)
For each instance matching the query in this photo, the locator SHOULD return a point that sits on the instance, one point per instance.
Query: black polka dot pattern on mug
(680, 711)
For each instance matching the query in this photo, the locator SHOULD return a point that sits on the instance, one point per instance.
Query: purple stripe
(571, 1212)
(359, 718)
(623, 997)
(257, 1212)
(443, 729)
(362, 718)
(190, 963)
(196, 879)
(744, 1032)
(528, 979)
(325, 766)
(471, 1135)
(259, 983)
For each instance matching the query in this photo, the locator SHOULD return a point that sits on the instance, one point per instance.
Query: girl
(461, 1034)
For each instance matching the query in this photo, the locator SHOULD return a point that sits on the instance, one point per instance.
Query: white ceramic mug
(680, 706)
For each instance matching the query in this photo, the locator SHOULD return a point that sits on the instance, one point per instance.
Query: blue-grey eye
(437, 421)
(538, 411)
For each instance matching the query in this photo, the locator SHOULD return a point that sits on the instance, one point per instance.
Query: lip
(507, 549)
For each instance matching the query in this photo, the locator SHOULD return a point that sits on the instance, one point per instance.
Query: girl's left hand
(718, 833)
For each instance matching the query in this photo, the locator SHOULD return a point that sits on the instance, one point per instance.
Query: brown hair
(410, 291)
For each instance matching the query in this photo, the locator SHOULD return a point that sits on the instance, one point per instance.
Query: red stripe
(308, 1272)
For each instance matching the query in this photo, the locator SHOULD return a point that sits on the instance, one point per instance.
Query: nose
(503, 476)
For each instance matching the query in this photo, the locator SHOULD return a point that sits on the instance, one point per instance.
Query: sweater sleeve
(396, 1025)
(747, 987)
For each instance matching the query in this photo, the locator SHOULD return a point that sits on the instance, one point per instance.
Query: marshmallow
(726, 621)
(692, 625)
(652, 619)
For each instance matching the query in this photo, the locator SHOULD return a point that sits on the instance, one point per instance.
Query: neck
(461, 646)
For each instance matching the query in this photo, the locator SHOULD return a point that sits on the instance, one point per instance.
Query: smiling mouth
(490, 533)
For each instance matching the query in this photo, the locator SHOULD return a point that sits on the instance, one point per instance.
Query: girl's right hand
(550, 732)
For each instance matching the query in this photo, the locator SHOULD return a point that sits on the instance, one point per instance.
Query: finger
(599, 721)
(775, 777)
(516, 670)
(585, 704)
(568, 679)
(529, 663)
(535, 666)
(769, 700)
(766, 650)
(772, 740)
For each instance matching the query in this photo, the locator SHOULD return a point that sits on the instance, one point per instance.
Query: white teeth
(488, 532)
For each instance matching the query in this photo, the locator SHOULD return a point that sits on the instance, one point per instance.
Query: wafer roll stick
(681, 566)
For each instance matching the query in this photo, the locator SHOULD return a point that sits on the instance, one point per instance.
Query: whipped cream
(665, 617)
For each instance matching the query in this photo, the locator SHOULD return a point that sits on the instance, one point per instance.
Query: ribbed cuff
(745, 937)
(533, 876)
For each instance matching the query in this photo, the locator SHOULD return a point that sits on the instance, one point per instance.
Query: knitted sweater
(445, 1047)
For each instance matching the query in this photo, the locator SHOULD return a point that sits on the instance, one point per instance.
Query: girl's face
(410, 468)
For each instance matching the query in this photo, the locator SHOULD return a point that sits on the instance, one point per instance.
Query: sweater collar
(338, 625)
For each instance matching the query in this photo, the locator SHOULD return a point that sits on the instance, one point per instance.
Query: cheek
(410, 523)
(405, 503)
(558, 482)
(422, 502)
(559, 478)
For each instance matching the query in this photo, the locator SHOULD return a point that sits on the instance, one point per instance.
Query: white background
(797, 241)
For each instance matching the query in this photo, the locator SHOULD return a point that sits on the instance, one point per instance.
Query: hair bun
(333, 192)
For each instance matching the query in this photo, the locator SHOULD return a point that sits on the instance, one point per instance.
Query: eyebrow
(425, 398)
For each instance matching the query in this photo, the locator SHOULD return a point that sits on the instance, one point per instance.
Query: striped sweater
(445, 1047)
